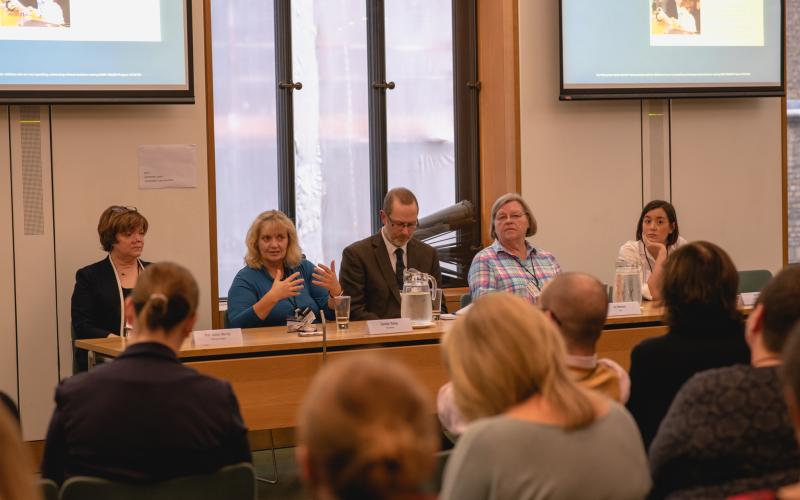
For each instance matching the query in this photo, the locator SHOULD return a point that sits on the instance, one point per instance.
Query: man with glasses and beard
(372, 269)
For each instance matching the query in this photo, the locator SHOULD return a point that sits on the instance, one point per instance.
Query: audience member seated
(366, 432)
(657, 236)
(728, 429)
(146, 417)
(17, 481)
(372, 269)
(705, 331)
(511, 263)
(101, 288)
(578, 304)
(540, 435)
(277, 280)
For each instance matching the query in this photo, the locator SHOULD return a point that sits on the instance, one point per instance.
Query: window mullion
(284, 86)
(376, 72)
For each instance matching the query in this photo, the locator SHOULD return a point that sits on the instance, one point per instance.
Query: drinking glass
(436, 304)
(341, 306)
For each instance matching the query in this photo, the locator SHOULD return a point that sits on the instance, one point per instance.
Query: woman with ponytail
(146, 417)
(533, 432)
(367, 431)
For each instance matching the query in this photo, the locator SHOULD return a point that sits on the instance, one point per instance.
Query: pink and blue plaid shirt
(496, 269)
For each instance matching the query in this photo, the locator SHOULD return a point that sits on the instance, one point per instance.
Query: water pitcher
(627, 282)
(415, 303)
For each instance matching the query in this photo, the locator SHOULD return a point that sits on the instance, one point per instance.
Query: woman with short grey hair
(511, 263)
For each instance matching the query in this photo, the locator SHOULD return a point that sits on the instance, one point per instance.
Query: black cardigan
(95, 305)
(660, 366)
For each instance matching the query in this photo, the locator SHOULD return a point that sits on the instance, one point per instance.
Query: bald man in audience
(578, 304)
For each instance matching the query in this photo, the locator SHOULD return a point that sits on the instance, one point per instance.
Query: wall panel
(8, 324)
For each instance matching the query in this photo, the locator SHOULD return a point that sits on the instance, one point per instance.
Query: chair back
(49, 489)
(754, 280)
(466, 299)
(234, 482)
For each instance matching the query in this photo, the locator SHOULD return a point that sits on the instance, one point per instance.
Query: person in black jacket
(101, 288)
(705, 331)
(146, 417)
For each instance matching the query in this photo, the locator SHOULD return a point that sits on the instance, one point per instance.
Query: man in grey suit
(372, 269)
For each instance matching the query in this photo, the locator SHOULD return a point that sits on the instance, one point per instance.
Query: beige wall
(582, 164)
(94, 164)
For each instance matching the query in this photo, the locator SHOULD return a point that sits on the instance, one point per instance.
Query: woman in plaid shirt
(511, 263)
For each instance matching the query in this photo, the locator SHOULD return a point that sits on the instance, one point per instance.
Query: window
(321, 105)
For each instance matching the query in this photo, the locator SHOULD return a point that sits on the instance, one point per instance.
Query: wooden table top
(276, 338)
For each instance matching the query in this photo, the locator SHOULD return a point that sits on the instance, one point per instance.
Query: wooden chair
(234, 482)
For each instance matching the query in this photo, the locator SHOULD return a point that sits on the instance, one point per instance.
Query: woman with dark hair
(367, 431)
(101, 288)
(705, 331)
(147, 417)
(657, 236)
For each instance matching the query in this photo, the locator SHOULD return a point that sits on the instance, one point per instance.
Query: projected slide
(671, 44)
(93, 45)
(737, 23)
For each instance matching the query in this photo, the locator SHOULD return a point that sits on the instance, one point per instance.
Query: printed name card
(218, 338)
(749, 299)
(398, 325)
(624, 309)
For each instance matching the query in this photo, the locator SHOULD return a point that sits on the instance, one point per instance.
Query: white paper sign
(398, 325)
(624, 309)
(749, 299)
(168, 166)
(218, 338)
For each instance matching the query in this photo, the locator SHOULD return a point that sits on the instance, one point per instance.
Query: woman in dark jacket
(101, 288)
(706, 331)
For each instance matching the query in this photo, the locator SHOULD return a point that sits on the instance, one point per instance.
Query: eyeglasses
(403, 225)
(552, 315)
(119, 209)
(513, 216)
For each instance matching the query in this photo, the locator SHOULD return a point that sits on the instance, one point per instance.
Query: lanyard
(535, 280)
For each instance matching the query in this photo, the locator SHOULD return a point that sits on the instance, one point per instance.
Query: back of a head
(504, 351)
(579, 304)
(368, 429)
(165, 295)
(699, 285)
(780, 299)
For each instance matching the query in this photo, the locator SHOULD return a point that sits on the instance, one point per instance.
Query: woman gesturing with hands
(277, 281)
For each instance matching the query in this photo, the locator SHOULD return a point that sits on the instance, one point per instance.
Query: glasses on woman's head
(514, 216)
(119, 209)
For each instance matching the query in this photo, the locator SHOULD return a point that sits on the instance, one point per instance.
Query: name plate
(749, 299)
(624, 309)
(218, 338)
(397, 325)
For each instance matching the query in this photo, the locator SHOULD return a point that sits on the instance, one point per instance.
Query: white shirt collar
(391, 247)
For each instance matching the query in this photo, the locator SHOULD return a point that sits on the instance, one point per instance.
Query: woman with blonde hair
(277, 281)
(367, 431)
(534, 433)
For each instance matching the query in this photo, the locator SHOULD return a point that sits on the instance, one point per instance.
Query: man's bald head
(579, 304)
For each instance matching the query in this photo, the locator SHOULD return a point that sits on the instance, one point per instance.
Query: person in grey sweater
(534, 433)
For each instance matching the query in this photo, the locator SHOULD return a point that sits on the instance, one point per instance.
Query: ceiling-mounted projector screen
(95, 51)
(671, 48)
